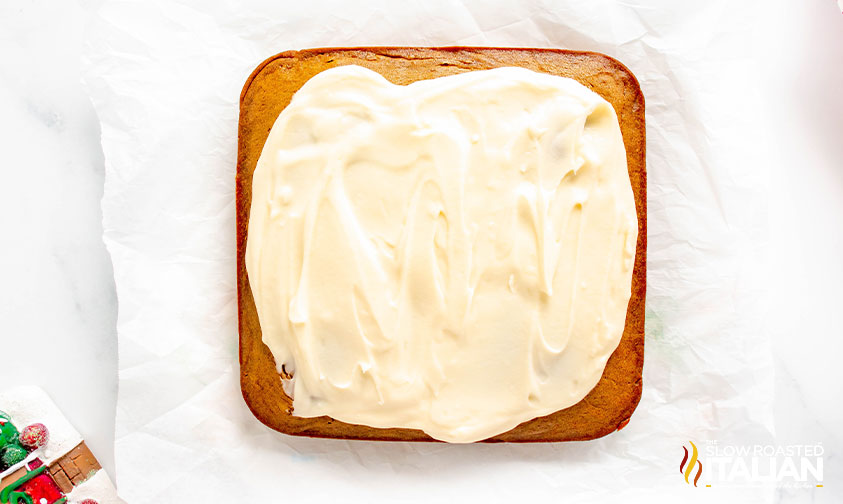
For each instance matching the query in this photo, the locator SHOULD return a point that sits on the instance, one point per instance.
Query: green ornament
(8, 433)
(12, 454)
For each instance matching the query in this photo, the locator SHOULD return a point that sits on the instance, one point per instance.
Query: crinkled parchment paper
(165, 78)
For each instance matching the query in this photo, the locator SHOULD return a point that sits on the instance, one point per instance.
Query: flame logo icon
(689, 468)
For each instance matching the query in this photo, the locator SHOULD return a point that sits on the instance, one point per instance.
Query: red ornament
(34, 436)
(42, 487)
(89, 501)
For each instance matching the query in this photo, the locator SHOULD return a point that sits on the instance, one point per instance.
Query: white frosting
(28, 405)
(98, 487)
(453, 256)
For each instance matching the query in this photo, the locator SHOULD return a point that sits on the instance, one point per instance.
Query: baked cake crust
(267, 92)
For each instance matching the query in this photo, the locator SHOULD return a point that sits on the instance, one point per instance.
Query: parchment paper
(165, 78)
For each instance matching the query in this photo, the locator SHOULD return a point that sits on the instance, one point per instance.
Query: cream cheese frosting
(454, 255)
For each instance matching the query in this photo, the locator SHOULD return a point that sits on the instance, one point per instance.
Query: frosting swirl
(454, 255)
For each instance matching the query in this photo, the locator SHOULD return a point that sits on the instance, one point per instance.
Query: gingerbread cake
(603, 102)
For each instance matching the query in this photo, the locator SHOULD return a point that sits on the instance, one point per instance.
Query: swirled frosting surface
(454, 255)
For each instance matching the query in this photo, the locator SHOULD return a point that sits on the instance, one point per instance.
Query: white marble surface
(57, 300)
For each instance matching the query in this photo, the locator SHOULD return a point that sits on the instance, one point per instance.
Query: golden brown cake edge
(267, 91)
